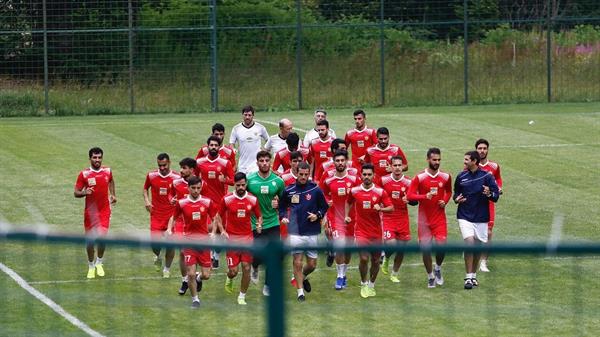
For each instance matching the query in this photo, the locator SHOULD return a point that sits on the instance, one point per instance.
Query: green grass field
(549, 169)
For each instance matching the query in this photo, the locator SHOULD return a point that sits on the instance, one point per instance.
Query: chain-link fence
(94, 57)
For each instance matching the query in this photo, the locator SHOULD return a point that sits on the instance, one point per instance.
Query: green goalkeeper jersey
(265, 189)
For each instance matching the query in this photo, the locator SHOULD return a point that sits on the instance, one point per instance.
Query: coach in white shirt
(248, 135)
(320, 114)
(277, 142)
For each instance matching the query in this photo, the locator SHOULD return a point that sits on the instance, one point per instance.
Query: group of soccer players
(354, 188)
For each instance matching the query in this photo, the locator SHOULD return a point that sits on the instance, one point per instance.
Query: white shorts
(303, 240)
(479, 230)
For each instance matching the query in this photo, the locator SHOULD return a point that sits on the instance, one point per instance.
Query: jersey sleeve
(322, 205)
(494, 189)
(229, 173)
(498, 177)
(332, 134)
(200, 154)
(385, 199)
(283, 204)
(256, 210)
(212, 210)
(233, 136)
(80, 183)
(147, 183)
(264, 134)
(223, 210)
(367, 157)
(177, 213)
(325, 189)
(276, 161)
(413, 194)
(404, 159)
(268, 145)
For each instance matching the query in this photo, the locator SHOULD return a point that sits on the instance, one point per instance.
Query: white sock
(184, 278)
(430, 275)
(344, 269)
(340, 270)
(98, 260)
(474, 275)
(195, 299)
(91, 264)
(468, 275)
(167, 269)
(242, 295)
(371, 284)
(300, 292)
(215, 256)
(363, 283)
(394, 273)
(437, 268)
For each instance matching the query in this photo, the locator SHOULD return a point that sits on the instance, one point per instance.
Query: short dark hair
(323, 122)
(163, 156)
(218, 127)
(482, 141)
(262, 154)
(239, 176)
(187, 161)
(383, 131)
(95, 150)
(194, 180)
(335, 144)
(433, 150)
(359, 112)
(321, 110)
(296, 155)
(248, 108)
(474, 155)
(338, 153)
(292, 140)
(367, 166)
(303, 166)
(215, 138)
(397, 158)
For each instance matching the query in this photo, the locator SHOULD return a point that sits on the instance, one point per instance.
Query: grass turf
(548, 168)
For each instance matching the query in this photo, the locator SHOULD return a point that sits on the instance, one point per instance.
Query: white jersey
(275, 143)
(248, 139)
(313, 134)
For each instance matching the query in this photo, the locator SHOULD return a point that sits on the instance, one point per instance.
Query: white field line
(136, 278)
(277, 124)
(47, 301)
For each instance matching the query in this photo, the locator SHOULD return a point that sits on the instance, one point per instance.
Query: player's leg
(297, 268)
(169, 256)
(467, 231)
(256, 261)
(373, 272)
(91, 255)
(398, 261)
(245, 282)
(155, 235)
(327, 223)
(339, 239)
(270, 234)
(184, 274)
(388, 239)
(233, 260)
(363, 268)
(440, 234)
(483, 264)
(425, 240)
(311, 263)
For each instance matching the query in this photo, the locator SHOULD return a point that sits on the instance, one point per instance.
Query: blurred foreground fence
(136, 56)
(536, 290)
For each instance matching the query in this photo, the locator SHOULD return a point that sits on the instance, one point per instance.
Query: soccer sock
(430, 275)
(474, 275)
(195, 299)
(184, 278)
(167, 269)
(91, 264)
(98, 260)
(437, 268)
(344, 269)
(340, 270)
(300, 291)
(394, 273)
(242, 295)
(371, 284)
(363, 283)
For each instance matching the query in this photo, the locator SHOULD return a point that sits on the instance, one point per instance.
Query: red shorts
(367, 241)
(159, 223)
(234, 257)
(427, 233)
(193, 257)
(396, 234)
(97, 223)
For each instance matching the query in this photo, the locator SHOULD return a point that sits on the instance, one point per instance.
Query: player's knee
(232, 273)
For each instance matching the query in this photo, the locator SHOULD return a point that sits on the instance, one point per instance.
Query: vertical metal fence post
(214, 87)
(273, 256)
(382, 50)
(130, 37)
(549, 50)
(46, 101)
(299, 51)
(466, 50)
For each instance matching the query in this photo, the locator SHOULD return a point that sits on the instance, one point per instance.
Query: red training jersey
(336, 190)
(196, 214)
(283, 158)
(381, 159)
(359, 141)
(430, 213)
(236, 213)
(397, 190)
(288, 178)
(98, 202)
(368, 220)
(319, 152)
(494, 169)
(329, 169)
(226, 152)
(162, 191)
(210, 170)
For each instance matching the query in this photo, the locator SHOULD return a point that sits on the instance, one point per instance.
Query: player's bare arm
(147, 201)
(111, 190)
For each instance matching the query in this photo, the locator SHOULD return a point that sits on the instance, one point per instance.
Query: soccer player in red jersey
(97, 185)
(281, 160)
(379, 155)
(432, 188)
(236, 211)
(320, 150)
(180, 187)
(396, 224)
(160, 207)
(361, 137)
(225, 151)
(336, 190)
(369, 201)
(291, 175)
(196, 211)
(482, 146)
(329, 166)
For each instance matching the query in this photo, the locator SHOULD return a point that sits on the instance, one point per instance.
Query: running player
(236, 211)
(278, 141)
(312, 134)
(160, 207)
(227, 152)
(361, 137)
(379, 155)
(248, 135)
(97, 185)
(196, 211)
(290, 175)
(320, 150)
(370, 201)
(432, 188)
(281, 161)
(482, 146)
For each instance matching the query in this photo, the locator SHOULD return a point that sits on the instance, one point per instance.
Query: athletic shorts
(193, 257)
(158, 223)
(479, 230)
(303, 240)
(400, 234)
(427, 233)
(97, 223)
(234, 257)
(368, 241)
